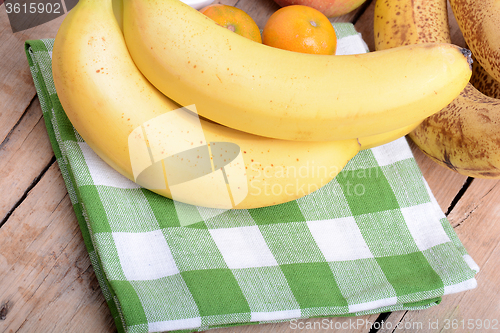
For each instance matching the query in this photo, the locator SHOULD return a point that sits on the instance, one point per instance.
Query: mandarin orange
(234, 19)
(301, 29)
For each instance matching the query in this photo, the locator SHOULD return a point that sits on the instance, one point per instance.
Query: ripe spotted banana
(463, 136)
(140, 132)
(277, 93)
(483, 81)
(479, 21)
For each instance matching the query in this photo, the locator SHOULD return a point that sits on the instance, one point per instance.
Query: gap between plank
(26, 192)
(459, 195)
(378, 323)
(7, 137)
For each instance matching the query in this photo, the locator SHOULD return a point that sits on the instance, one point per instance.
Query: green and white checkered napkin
(373, 240)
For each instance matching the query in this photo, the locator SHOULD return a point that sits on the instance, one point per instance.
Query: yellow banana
(479, 21)
(277, 93)
(136, 129)
(380, 139)
(463, 136)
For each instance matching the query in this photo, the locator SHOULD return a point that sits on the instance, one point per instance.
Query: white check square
(424, 227)
(339, 239)
(144, 255)
(392, 152)
(243, 247)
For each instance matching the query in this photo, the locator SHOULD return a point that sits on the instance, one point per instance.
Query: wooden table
(46, 280)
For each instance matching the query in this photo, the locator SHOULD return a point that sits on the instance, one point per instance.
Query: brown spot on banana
(464, 136)
(483, 81)
(479, 21)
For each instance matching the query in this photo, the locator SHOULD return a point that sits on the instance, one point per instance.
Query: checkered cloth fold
(372, 240)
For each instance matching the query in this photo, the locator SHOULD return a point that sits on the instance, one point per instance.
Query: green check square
(407, 172)
(130, 304)
(446, 260)
(66, 132)
(363, 160)
(266, 289)
(162, 208)
(313, 285)
(181, 304)
(127, 210)
(106, 249)
(216, 292)
(386, 233)
(325, 204)
(291, 243)
(76, 161)
(367, 191)
(286, 212)
(193, 249)
(95, 210)
(453, 236)
(401, 274)
(361, 280)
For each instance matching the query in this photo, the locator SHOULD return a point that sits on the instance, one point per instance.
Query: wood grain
(444, 183)
(23, 156)
(17, 89)
(46, 275)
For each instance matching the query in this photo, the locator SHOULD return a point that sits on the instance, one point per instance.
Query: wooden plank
(444, 183)
(476, 219)
(48, 284)
(23, 156)
(16, 83)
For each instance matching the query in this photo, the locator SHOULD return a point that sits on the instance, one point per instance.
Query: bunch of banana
(167, 148)
(121, 116)
(287, 95)
(464, 136)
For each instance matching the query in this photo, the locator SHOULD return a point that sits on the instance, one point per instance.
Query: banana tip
(468, 54)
